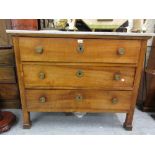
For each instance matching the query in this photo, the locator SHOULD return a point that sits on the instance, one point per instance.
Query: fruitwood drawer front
(69, 50)
(7, 57)
(7, 74)
(77, 100)
(9, 92)
(78, 76)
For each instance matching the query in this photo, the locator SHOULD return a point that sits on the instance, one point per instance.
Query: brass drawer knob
(78, 98)
(42, 99)
(79, 73)
(114, 100)
(117, 76)
(41, 75)
(121, 51)
(80, 48)
(39, 50)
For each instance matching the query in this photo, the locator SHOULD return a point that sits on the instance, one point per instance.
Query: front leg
(26, 120)
(128, 121)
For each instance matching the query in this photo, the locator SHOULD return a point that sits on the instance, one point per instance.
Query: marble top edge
(79, 33)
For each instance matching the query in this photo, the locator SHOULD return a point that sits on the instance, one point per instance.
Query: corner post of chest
(26, 114)
(139, 69)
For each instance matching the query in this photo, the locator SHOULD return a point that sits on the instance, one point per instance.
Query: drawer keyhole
(79, 73)
(78, 98)
(80, 48)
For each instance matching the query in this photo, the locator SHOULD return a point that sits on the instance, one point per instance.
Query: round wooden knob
(121, 51)
(39, 50)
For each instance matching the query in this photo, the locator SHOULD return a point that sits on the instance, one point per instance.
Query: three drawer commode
(78, 72)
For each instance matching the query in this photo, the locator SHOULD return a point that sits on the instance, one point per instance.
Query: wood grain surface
(95, 100)
(65, 76)
(65, 50)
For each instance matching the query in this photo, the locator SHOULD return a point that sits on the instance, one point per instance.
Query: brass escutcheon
(39, 50)
(121, 51)
(42, 99)
(42, 75)
(117, 76)
(114, 100)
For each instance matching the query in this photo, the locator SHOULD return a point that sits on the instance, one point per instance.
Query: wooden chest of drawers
(73, 72)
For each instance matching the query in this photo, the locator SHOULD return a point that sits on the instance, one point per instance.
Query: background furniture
(25, 24)
(148, 84)
(9, 93)
(71, 72)
(106, 25)
(7, 119)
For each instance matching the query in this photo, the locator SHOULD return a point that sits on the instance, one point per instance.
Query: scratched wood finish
(60, 61)
(7, 74)
(59, 100)
(65, 76)
(65, 50)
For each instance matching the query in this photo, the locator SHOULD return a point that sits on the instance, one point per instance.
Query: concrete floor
(93, 124)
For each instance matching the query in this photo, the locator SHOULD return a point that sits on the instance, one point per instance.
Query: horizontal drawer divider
(77, 88)
(81, 110)
(80, 63)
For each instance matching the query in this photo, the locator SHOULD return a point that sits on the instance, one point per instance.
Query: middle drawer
(78, 76)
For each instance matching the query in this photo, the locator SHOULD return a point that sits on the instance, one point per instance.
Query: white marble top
(79, 33)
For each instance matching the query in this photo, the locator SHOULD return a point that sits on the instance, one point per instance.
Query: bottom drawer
(78, 100)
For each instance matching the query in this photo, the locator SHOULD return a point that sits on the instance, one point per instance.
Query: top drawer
(79, 50)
